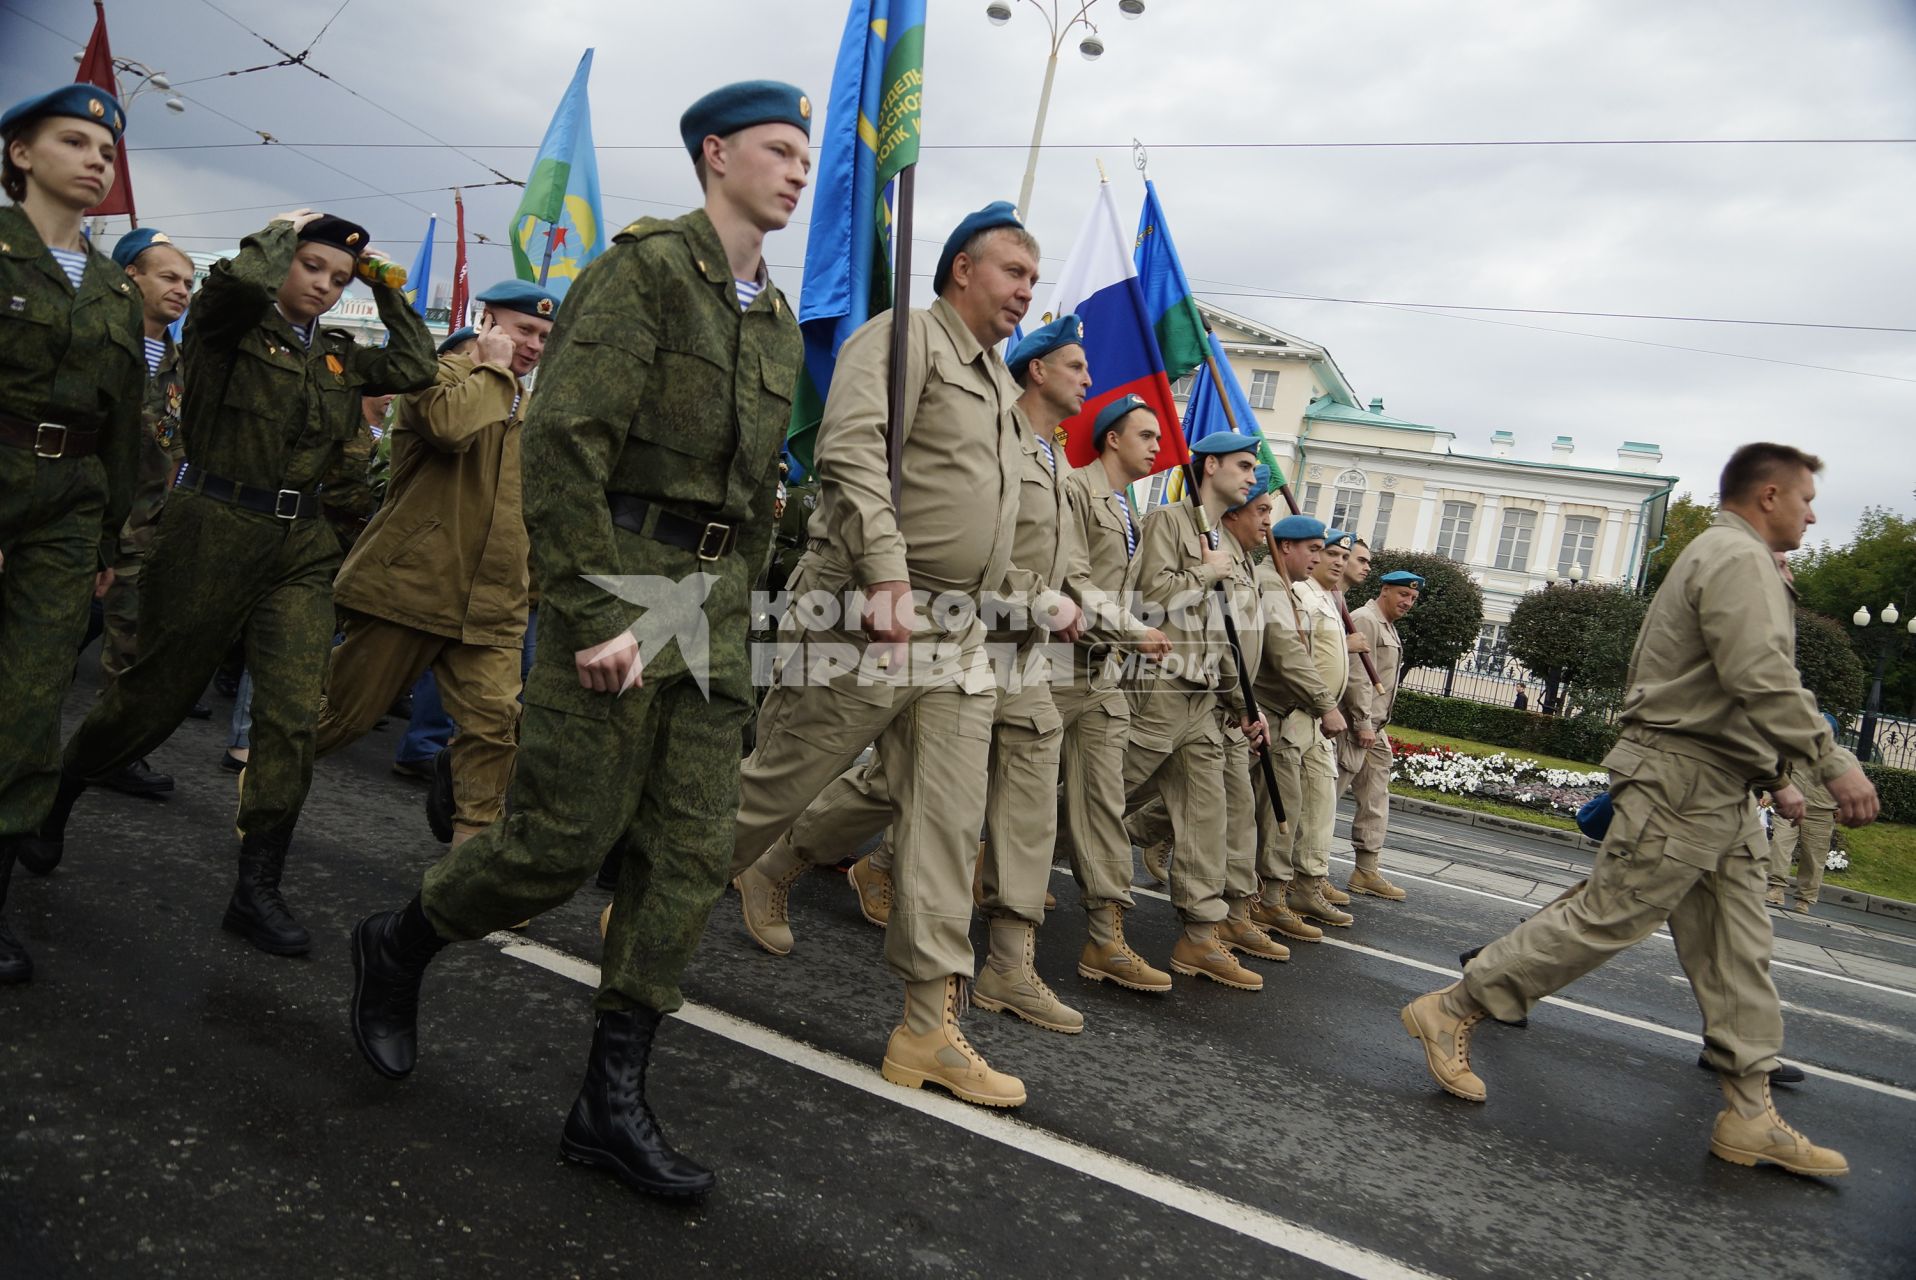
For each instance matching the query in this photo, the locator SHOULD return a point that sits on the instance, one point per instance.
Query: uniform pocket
(408, 543)
(1661, 869)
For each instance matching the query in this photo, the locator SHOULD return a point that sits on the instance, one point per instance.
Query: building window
(1453, 532)
(1490, 655)
(1263, 388)
(1181, 389)
(1385, 501)
(1312, 492)
(1579, 544)
(1513, 543)
(1346, 504)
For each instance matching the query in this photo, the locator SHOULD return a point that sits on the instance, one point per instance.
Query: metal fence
(1895, 740)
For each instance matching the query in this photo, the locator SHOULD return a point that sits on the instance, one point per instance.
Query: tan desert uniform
(1293, 696)
(1807, 841)
(930, 715)
(1366, 771)
(1316, 815)
(1714, 706)
(438, 580)
(1177, 748)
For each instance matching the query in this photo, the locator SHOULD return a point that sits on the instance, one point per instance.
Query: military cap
(1297, 529)
(1065, 331)
(1108, 416)
(1260, 486)
(138, 241)
(457, 336)
(336, 233)
(1219, 443)
(1401, 578)
(81, 101)
(521, 296)
(1339, 538)
(740, 106)
(999, 213)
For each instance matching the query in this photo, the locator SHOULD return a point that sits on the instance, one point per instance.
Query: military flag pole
(900, 332)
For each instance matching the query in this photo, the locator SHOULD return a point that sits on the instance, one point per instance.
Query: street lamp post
(142, 78)
(1873, 706)
(998, 12)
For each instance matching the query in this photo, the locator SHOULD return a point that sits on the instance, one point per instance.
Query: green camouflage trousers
(50, 512)
(120, 610)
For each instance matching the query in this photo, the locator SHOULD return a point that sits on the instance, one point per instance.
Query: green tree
(1685, 519)
(1577, 636)
(1876, 567)
(1828, 663)
(1449, 613)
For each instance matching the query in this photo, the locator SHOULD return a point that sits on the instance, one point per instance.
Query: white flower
(1836, 860)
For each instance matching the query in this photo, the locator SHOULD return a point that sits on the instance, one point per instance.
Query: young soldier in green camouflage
(70, 377)
(650, 454)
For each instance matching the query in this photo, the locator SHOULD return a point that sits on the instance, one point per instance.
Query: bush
(1449, 612)
(1585, 738)
(1896, 788)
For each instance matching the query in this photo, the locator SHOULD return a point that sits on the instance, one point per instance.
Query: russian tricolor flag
(1100, 283)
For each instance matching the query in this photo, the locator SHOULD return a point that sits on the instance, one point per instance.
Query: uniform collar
(961, 337)
(708, 255)
(1731, 520)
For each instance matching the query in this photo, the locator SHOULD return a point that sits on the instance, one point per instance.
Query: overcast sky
(1816, 233)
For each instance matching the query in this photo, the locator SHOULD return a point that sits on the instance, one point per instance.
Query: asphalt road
(177, 1103)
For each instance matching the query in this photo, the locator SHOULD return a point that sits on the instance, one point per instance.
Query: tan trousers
(1177, 751)
(1369, 785)
(379, 660)
(1684, 847)
(1808, 842)
(935, 739)
(1020, 808)
(1315, 816)
(1274, 847)
(1097, 730)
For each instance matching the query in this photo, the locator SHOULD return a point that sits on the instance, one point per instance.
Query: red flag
(96, 69)
(456, 314)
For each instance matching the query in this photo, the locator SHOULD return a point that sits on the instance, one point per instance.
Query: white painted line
(1232, 1215)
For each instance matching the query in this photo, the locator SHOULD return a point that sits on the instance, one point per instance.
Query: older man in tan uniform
(438, 579)
(919, 688)
(1363, 749)
(1713, 708)
(1311, 893)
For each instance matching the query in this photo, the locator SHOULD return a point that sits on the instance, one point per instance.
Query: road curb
(1832, 896)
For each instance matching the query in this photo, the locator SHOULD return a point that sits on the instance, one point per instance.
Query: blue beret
(1065, 331)
(136, 242)
(1223, 442)
(1259, 487)
(1297, 529)
(81, 101)
(522, 296)
(740, 106)
(456, 337)
(1108, 416)
(1339, 538)
(999, 213)
(1401, 578)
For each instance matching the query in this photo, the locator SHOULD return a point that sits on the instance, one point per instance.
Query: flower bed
(1510, 779)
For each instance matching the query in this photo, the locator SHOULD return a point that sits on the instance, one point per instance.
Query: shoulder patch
(642, 228)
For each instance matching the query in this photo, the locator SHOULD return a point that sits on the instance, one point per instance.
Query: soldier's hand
(104, 579)
(612, 667)
(492, 346)
(298, 217)
(1333, 723)
(1155, 644)
(1855, 796)
(1365, 737)
(1789, 803)
(1219, 558)
(887, 618)
(1257, 732)
(1356, 643)
(1063, 619)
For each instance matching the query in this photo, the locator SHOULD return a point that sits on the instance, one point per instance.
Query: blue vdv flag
(560, 210)
(420, 275)
(1204, 409)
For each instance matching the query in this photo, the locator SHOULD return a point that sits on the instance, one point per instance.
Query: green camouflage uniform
(73, 358)
(350, 494)
(265, 411)
(653, 384)
(161, 452)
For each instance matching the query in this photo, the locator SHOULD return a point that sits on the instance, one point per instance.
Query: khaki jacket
(1363, 705)
(1173, 577)
(1317, 613)
(1714, 677)
(1097, 518)
(446, 554)
(1287, 677)
(1040, 542)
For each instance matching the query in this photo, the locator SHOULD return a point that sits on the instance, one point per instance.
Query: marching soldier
(241, 551)
(1714, 708)
(1363, 750)
(164, 277)
(438, 580)
(651, 455)
(1311, 895)
(70, 379)
(922, 693)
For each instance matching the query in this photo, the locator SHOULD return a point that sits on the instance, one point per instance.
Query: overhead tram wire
(1384, 144)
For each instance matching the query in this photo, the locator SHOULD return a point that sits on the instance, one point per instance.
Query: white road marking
(1232, 1215)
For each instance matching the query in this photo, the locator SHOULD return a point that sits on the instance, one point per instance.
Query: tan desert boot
(872, 884)
(605, 921)
(1199, 953)
(1157, 860)
(1010, 981)
(1306, 899)
(1774, 897)
(1443, 1020)
(1749, 1132)
(1332, 894)
(1238, 933)
(1373, 883)
(1272, 913)
(1107, 956)
(762, 891)
(928, 1048)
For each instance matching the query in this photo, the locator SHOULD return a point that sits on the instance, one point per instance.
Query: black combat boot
(40, 853)
(439, 803)
(612, 1125)
(136, 778)
(390, 953)
(16, 965)
(257, 912)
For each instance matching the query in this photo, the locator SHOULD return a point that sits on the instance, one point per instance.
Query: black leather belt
(283, 504)
(48, 439)
(707, 539)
